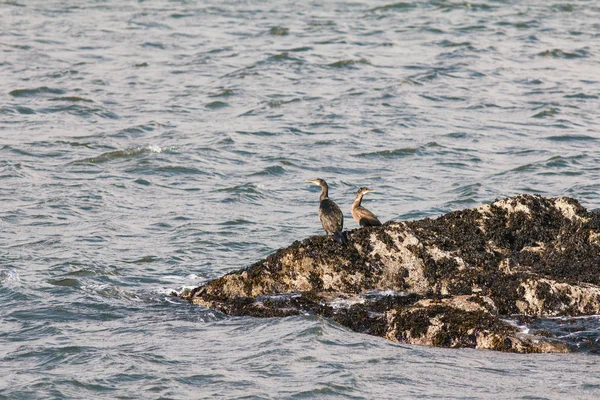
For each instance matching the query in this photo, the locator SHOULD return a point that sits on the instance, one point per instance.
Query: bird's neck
(357, 201)
(324, 193)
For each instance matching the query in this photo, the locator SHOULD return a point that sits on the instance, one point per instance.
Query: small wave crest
(186, 285)
(109, 291)
(9, 276)
(119, 154)
(401, 152)
(394, 6)
(40, 91)
(349, 63)
(242, 193)
(558, 53)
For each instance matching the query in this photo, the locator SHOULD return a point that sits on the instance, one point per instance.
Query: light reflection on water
(147, 147)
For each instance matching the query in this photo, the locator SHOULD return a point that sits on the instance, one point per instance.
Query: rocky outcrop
(450, 281)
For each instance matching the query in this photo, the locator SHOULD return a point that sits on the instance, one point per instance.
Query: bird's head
(364, 190)
(318, 182)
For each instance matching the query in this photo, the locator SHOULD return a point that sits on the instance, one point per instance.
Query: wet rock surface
(454, 281)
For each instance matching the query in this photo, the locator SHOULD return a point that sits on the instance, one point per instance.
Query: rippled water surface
(148, 146)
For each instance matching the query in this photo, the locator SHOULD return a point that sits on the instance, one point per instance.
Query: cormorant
(330, 214)
(361, 215)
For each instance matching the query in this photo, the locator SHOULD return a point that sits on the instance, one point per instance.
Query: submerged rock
(451, 281)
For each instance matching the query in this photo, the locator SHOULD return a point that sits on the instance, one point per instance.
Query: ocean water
(148, 146)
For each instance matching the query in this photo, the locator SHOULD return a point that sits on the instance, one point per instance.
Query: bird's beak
(311, 181)
(370, 191)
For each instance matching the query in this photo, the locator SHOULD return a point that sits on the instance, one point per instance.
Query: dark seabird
(361, 215)
(330, 214)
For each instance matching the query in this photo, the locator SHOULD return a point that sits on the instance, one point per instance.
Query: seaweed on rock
(440, 282)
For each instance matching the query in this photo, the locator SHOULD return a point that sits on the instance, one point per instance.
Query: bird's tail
(340, 237)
